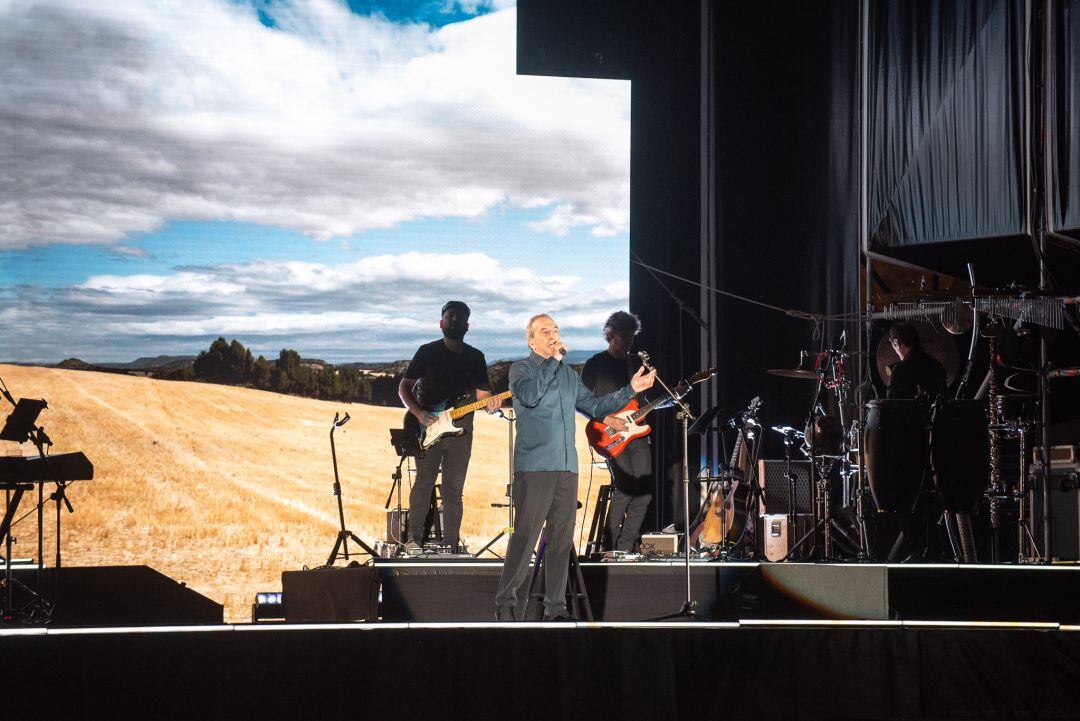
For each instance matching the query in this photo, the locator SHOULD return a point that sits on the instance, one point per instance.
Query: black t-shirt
(918, 370)
(604, 373)
(443, 376)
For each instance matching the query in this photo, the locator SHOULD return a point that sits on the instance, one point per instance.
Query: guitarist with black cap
(439, 373)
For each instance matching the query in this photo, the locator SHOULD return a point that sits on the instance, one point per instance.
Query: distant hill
(74, 364)
(154, 363)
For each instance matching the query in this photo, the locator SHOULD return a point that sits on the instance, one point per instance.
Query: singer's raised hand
(643, 380)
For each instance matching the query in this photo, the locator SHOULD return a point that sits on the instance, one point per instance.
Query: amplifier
(659, 544)
(778, 537)
(776, 487)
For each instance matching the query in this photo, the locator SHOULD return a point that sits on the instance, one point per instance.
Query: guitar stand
(341, 545)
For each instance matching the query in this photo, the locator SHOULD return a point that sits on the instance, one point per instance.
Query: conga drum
(960, 453)
(897, 438)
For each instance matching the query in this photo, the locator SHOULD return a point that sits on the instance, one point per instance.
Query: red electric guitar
(609, 442)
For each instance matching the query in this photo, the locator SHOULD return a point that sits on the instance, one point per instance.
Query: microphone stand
(341, 545)
(685, 416)
(509, 505)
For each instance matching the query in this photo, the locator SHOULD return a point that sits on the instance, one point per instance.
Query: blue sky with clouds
(307, 174)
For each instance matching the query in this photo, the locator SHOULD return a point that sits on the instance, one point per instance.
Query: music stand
(701, 425)
(20, 423)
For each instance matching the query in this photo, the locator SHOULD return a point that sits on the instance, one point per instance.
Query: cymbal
(792, 373)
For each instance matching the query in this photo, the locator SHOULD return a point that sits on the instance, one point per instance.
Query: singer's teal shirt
(546, 394)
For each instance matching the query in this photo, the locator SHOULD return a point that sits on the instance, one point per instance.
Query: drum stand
(1028, 548)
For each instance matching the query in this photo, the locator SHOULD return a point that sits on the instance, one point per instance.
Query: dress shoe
(504, 614)
(559, 618)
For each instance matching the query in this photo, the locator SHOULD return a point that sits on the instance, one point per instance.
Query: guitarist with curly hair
(631, 470)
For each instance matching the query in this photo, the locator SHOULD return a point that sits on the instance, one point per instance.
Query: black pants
(540, 497)
(452, 453)
(631, 474)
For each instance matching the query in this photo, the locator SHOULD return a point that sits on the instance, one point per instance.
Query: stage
(781, 641)
(463, 591)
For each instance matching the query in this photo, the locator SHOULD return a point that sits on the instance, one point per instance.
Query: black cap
(457, 305)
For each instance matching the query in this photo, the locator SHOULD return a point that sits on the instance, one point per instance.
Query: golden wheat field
(224, 488)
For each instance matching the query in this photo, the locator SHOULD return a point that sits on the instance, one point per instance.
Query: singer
(546, 393)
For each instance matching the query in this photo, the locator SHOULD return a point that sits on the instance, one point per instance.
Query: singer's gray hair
(532, 322)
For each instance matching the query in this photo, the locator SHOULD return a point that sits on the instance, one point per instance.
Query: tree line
(230, 363)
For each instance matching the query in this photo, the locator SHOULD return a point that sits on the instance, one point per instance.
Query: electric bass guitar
(609, 442)
(444, 421)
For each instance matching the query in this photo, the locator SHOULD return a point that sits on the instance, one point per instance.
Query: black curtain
(947, 135)
(1063, 121)
(788, 121)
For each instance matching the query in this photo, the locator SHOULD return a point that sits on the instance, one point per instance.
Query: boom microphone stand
(341, 545)
(685, 416)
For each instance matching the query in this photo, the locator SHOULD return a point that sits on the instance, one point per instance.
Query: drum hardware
(826, 444)
(341, 545)
(1010, 416)
(994, 419)
(803, 370)
(1043, 310)
(1046, 311)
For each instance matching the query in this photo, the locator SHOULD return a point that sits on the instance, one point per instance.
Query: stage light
(267, 607)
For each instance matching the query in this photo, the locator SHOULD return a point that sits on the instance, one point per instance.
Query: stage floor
(758, 670)
(952, 642)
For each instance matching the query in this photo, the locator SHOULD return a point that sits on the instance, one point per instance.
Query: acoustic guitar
(727, 510)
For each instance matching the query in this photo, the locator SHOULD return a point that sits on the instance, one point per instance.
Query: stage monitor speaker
(777, 488)
(331, 594)
(120, 596)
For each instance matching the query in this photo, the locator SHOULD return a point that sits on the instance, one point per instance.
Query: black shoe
(559, 618)
(504, 614)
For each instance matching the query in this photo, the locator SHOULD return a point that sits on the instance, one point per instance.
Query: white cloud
(375, 308)
(115, 117)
